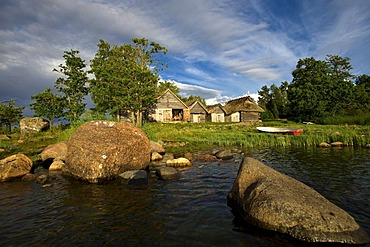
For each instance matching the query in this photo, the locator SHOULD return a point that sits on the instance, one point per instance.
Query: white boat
(283, 131)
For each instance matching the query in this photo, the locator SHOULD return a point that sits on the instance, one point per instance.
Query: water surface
(191, 211)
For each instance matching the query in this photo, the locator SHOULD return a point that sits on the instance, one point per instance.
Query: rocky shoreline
(101, 151)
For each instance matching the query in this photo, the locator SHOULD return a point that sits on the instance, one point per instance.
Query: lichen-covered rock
(180, 162)
(33, 125)
(274, 201)
(56, 151)
(167, 173)
(101, 150)
(15, 166)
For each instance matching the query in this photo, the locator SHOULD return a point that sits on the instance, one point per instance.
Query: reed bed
(247, 136)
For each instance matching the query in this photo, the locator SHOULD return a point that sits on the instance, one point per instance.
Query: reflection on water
(191, 211)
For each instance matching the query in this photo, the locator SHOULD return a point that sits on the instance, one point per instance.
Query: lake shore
(191, 137)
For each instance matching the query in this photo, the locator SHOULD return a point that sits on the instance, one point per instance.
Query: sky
(217, 49)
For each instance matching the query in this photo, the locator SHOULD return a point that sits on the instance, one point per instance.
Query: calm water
(189, 212)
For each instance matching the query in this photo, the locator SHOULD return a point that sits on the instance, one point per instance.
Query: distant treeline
(322, 91)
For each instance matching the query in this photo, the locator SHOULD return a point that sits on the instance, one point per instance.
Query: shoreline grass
(195, 136)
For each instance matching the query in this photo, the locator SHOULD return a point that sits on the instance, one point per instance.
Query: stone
(157, 147)
(224, 155)
(101, 150)
(15, 166)
(206, 158)
(276, 202)
(367, 145)
(336, 144)
(324, 145)
(55, 151)
(43, 179)
(56, 165)
(167, 173)
(29, 177)
(156, 156)
(33, 125)
(4, 137)
(188, 156)
(180, 162)
(137, 177)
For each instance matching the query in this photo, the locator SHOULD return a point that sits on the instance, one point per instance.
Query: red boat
(283, 131)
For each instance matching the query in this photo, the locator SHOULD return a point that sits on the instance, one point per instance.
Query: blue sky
(217, 49)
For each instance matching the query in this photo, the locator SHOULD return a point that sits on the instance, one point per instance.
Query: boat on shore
(283, 131)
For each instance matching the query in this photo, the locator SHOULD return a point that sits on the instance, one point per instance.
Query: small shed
(198, 112)
(170, 108)
(243, 109)
(216, 113)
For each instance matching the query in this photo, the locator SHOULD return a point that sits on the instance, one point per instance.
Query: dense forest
(126, 78)
(320, 91)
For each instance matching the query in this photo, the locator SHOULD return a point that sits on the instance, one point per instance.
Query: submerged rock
(324, 145)
(167, 173)
(224, 155)
(137, 177)
(15, 166)
(101, 150)
(274, 201)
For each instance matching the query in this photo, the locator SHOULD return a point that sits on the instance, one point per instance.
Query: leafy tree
(362, 92)
(274, 101)
(340, 89)
(126, 77)
(9, 114)
(308, 92)
(164, 85)
(192, 98)
(73, 85)
(48, 105)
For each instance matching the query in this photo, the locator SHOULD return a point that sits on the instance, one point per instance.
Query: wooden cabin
(198, 112)
(170, 108)
(242, 110)
(216, 113)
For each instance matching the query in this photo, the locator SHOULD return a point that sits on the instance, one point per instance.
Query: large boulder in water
(14, 166)
(101, 150)
(33, 125)
(274, 201)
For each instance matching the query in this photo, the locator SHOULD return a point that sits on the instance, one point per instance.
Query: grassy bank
(193, 136)
(243, 135)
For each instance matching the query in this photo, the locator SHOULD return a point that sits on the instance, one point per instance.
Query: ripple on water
(189, 211)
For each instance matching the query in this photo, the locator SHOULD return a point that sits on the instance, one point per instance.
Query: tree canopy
(319, 89)
(126, 77)
(9, 114)
(48, 105)
(73, 86)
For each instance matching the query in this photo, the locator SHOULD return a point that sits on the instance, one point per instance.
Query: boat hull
(282, 131)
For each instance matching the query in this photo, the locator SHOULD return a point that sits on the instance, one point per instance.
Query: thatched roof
(212, 108)
(245, 104)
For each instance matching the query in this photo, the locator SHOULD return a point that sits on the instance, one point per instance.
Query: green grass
(242, 135)
(184, 137)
